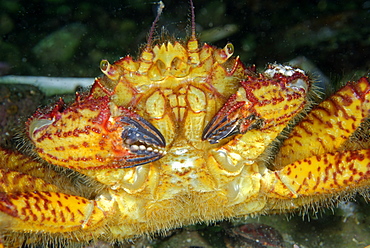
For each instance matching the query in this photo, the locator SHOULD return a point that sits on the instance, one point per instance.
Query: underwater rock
(60, 45)
(16, 101)
(254, 235)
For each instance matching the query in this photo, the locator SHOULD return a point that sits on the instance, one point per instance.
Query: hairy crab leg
(323, 129)
(19, 173)
(324, 169)
(31, 204)
(50, 212)
(331, 174)
(15, 161)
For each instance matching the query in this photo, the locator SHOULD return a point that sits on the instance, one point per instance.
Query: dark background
(69, 38)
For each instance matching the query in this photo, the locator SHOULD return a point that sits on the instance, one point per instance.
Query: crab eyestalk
(93, 133)
(272, 98)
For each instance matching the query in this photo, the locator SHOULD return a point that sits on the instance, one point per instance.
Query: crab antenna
(193, 42)
(151, 32)
(193, 37)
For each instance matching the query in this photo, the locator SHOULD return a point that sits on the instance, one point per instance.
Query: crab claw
(94, 134)
(234, 117)
(142, 138)
(271, 98)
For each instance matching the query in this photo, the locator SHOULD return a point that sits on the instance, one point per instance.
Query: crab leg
(323, 129)
(48, 212)
(325, 168)
(19, 173)
(31, 204)
(14, 181)
(328, 174)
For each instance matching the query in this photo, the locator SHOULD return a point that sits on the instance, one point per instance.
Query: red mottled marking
(58, 133)
(42, 217)
(34, 216)
(334, 178)
(318, 118)
(83, 200)
(309, 175)
(63, 219)
(328, 168)
(44, 136)
(73, 147)
(304, 183)
(60, 148)
(47, 194)
(272, 101)
(249, 92)
(317, 183)
(52, 156)
(76, 132)
(347, 99)
(7, 206)
(100, 158)
(305, 127)
(324, 109)
(96, 130)
(54, 214)
(272, 190)
(330, 125)
(72, 216)
(37, 206)
(17, 178)
(289, 171)
(353, 126)
(337, 164)
(318, 158)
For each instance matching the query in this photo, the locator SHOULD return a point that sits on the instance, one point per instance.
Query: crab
(184, 134)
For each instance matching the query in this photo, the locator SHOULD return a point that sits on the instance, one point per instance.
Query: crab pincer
(142, 138)
(264, 100)
(94, 133)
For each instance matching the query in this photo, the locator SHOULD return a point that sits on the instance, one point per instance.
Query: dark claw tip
(145, 141)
